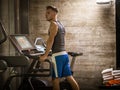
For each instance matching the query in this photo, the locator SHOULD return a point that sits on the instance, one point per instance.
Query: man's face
(50, 14)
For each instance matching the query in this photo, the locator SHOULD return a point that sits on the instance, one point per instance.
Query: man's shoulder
(53, 24)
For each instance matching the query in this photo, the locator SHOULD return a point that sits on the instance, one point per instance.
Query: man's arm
(53, 31)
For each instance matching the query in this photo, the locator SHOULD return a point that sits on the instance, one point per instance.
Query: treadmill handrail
(4, 33)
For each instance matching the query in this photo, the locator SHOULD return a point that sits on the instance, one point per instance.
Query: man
(56, 43)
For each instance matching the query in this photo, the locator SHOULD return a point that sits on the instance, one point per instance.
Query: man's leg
(73, 83)
(56, 85)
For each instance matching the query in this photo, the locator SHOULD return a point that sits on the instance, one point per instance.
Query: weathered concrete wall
(90, 29)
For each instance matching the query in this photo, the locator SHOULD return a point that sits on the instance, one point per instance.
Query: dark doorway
(118, 33)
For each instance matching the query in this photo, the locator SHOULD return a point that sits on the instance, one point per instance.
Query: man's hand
(43, 57)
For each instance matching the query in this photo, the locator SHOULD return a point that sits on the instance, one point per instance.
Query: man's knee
(69, 77)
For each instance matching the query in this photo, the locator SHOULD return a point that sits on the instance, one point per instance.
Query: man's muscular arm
(53, 31)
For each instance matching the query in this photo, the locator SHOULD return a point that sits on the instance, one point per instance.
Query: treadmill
(9, 61)
(27, 52)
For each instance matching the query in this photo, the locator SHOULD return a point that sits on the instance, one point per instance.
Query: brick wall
(90, 29)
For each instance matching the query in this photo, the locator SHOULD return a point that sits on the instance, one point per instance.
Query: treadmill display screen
(23, 42)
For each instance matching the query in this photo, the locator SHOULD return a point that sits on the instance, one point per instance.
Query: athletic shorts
(61, 66)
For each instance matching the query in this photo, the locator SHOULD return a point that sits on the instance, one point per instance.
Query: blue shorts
(61, 66)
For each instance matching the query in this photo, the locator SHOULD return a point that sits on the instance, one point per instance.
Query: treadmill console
(23, 44)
